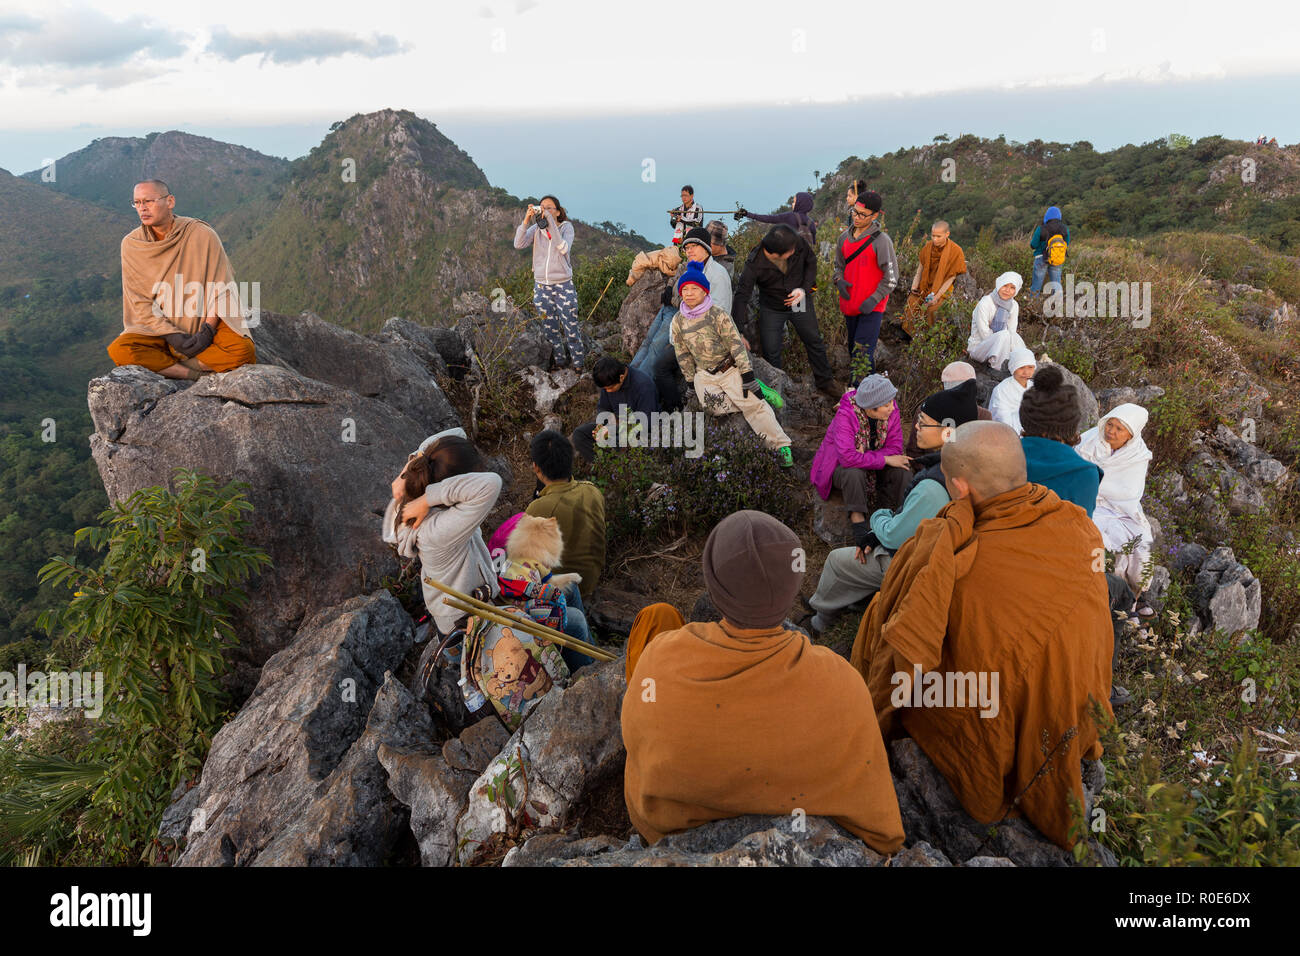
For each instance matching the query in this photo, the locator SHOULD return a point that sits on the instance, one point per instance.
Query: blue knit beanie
(694, 273)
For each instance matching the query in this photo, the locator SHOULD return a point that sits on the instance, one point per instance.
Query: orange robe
(720, 722)
(650, 621)
(937, 267)
(1007, 589)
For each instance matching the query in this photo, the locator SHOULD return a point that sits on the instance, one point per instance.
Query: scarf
(1001, 311)
(868, 436)
(699, 310)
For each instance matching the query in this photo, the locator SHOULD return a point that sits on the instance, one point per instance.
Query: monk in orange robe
(938, 263)
(1002, 584)
(181, 311)
(743, 716)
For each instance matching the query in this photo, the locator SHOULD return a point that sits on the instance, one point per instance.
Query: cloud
(302, 46)
(84, 38)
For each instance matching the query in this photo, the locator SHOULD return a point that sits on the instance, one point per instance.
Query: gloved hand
(191, 345)
(741, 214)
(750, 381)
(844, 287)
(863, 536)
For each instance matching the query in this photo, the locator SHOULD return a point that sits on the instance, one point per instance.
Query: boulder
(386, 368)
(1144, 395)
(1089, 408)
(640, 307)
(1228, 595)
(318, 460)
(570, 746)
(1234, 490)
(932, 814)
(1253, 461)
(549, 386)
(1157, 589)
(294, 778)
(750, 840)
(442, 351)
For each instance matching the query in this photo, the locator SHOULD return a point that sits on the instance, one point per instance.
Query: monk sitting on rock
(990, 640)
(181, 312)
(744, 716)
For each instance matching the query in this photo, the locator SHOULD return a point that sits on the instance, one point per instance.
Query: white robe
(985, 345)
(1119, 515)
(1004, 403)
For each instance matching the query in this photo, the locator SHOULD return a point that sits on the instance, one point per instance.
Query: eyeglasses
(137, 203)
(921, 424)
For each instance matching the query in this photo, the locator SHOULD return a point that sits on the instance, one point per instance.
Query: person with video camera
(547, 227)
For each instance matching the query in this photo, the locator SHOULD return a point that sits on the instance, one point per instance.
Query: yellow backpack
(1055, 255)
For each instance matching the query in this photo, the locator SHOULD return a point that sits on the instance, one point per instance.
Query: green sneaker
(771, 396)
(785, 457)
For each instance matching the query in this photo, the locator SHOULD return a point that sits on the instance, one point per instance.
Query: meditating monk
(999, 590)
(743, 716)
(181, 311)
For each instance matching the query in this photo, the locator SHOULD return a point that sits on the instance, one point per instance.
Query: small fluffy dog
(533, 548)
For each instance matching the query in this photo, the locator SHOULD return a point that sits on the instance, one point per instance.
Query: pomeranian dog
(533, 548)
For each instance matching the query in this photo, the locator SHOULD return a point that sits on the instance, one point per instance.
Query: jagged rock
(1234, 490)
(530, 349)
(1189, 556)
(1157, 589)
(1228, 596)
(294, 778)
(571, 743)
(1168, 487)
(803, 403)
(549, 386)
(434, 792)
(318, 460)
(831, 521)
(640, 308)
(750, 840)
(920, 854)
(384, 369)
(1253, 460)
(932, 813)
(441, 350)
(986, 379)
(177, 817)
(1144, 395)
(988, 861)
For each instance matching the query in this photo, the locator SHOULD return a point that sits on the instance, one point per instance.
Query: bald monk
(938, 263)
(1000, 583)
(743, 716)
(181, 314)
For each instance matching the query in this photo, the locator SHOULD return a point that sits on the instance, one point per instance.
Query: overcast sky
(250, 62)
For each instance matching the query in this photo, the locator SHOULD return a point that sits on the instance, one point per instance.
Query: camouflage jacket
(705, 341)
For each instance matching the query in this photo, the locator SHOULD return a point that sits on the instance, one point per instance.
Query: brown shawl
(938, 269)
(720, 722)
(156, 302)
(1007, 588)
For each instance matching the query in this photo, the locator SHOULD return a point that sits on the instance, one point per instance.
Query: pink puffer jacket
(837, 448)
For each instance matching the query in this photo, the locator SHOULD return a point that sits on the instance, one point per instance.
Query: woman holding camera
(548, 228)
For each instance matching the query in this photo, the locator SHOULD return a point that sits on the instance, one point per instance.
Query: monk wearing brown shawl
(743, 716)
(1002, 582)
(181, 314)
(939, 262)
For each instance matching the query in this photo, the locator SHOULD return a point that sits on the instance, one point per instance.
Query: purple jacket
(837, 448)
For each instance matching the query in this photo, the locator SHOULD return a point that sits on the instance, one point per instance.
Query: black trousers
(866, 489)
(771, 331)
(669, 381)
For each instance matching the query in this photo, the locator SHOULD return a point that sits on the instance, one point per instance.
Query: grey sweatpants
(844, 581)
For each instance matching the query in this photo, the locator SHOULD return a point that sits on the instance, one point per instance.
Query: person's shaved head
(987, 457)
(941, 225)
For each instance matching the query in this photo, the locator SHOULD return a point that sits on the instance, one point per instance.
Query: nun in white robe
(993, 323)
(1119, 514)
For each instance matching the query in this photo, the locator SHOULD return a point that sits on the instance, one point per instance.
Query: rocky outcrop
(570, 747)
(640, 308)
(317, 431)
(294, 778)
(1227, 596)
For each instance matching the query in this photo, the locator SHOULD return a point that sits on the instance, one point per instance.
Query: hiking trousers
(771, 332)
(558, 303)
(844, 581)
(725, 393)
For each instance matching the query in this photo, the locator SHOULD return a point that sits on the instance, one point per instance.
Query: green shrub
(735, 472)
(155, 619)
